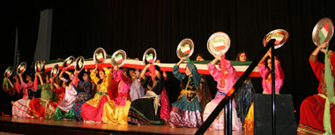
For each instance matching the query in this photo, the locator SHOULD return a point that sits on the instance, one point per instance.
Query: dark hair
(124, 69)
(239, 54)
(100, 81)
(30, 94)
(266, 62)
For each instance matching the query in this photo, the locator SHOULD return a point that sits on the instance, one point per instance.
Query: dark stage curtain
(80, 26)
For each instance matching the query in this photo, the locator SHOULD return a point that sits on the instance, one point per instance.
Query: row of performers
(112, 104)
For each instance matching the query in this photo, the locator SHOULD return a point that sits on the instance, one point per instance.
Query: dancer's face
(269, 64)
(85, 77)
(187, 71)
(102, 75)
(28, 78)
(243, 57)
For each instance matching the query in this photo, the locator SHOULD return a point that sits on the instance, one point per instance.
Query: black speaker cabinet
(285, 119)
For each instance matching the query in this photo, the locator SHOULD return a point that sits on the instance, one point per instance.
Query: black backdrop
(80, 26)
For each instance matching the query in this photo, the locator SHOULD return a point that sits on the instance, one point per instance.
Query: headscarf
(330, 94)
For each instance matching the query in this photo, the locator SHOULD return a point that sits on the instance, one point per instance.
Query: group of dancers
(138, 96)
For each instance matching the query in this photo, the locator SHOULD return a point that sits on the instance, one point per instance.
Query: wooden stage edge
(37, 126)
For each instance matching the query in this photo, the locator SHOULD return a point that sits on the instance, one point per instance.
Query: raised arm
(216, 74)
(75, 79)
(175, 71)
(69, 74)
(321, 48)
(142, 76)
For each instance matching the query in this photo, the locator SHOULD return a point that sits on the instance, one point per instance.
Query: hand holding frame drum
(79, 63)
(39, 66)
(99, 55)
(68, 61)
(54, 71)
(8, 72)
(218, 44)
(118, 58)
(185, 48)
(323, 31)
(149, 56)
(21, 68)
(280, 35)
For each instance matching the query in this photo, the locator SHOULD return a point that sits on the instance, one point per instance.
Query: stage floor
(36, 126)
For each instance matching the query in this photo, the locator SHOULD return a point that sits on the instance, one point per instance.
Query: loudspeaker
(285, 118)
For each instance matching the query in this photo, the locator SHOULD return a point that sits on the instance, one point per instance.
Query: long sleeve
(262, 70)
(176, 73)
(279, 76)
(216, 74)
(35, 84)
(18, 86)
(75, 79)
(108, 77)
(316, 66)
(94, 78)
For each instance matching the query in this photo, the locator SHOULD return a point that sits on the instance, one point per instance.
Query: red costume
(312, 108)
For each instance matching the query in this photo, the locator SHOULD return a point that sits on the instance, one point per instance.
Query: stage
(35, 126)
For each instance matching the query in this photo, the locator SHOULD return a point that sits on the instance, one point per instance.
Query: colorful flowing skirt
(59, 114)
(311, 116)
(165, 106)
(114, 113)
(249, 120)
(142, 112)
(185, 113)
(39, 108)
(93, 108)
(218, 123)
(20, 108)
(82, 97)
(243, 99)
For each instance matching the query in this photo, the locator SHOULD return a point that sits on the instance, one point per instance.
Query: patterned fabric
(20, 107)
(244, 97)
(83, 89)
(93, 108)
(142, 110)
(186, 110)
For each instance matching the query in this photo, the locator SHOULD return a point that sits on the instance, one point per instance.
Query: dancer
(42, 107)
(165, 102)
(92, 110)
(20, 106)
(146, 110)
(244, 96)
(83, 90)
(116, 110)
(8, 97)
(265, 68)
(136, 89)
(186, 110)
(65, 110)
(317, 111)
(225, 78)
